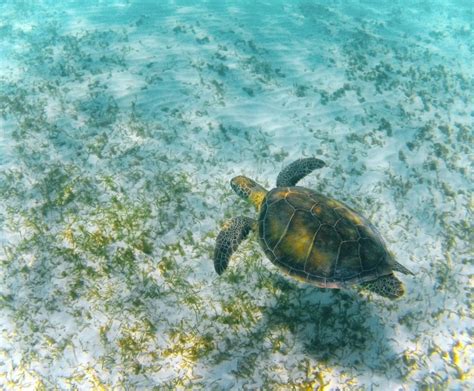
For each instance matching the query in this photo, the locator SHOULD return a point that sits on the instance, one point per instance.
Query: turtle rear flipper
(387, 286)
(233, 233)
(297, 170)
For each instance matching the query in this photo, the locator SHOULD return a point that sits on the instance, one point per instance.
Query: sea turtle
(310, 236)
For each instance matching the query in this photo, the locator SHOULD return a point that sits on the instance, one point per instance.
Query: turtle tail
(400, 268)
(233, 233)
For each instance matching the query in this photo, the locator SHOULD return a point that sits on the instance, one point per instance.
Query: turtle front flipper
(233, 233)
(387, 286)
(297, 170)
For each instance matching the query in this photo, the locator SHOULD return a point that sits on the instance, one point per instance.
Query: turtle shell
(320, 240)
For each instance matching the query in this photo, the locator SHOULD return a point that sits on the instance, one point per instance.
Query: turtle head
(248, 189)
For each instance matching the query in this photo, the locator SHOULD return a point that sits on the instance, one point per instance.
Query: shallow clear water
(121, 124)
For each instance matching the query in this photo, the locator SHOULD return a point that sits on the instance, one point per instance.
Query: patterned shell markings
(318, 239)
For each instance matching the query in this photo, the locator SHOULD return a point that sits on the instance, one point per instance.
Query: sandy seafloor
(121, 125)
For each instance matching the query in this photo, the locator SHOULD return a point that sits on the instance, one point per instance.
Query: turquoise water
(121, 124)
